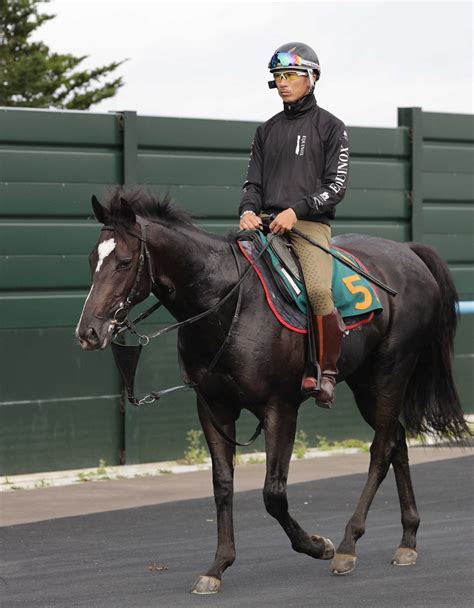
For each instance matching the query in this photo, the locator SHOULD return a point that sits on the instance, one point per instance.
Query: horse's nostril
(91, 335)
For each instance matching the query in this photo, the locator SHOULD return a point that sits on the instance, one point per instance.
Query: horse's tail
(432, 404)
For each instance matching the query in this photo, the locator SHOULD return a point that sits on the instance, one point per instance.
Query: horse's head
(114, 263)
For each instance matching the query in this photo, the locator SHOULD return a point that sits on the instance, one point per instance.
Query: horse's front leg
(280, 427)
(222, 455)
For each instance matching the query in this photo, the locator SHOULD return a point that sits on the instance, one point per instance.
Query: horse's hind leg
(280, 426)
(406, 554)
(380, 403)
(222, 455)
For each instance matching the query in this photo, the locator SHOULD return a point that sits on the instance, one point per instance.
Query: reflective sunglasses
(285, 60)
(291, 76)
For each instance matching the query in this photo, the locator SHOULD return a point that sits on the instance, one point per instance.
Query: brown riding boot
(330, 331)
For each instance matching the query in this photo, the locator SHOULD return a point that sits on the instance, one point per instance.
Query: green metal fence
(61, 407)
(442, 198)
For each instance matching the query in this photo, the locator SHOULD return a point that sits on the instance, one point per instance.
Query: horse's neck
(199, 266)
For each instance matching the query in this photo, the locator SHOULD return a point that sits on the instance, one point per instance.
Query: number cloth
(352, 294)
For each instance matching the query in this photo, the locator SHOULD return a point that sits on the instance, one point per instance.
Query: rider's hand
(284, 221)
(250, 221)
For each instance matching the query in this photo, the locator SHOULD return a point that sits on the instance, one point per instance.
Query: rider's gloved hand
(284, 221)
(250, 221)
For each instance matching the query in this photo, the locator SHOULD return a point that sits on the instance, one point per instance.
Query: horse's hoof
(404, 557)
(206, 585)
(329, 549)
(343, 563)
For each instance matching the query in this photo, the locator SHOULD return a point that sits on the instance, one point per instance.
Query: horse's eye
(122, 264)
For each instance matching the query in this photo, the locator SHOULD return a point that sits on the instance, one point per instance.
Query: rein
(122, 323)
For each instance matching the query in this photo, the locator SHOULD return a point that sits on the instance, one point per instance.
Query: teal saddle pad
(353, 294)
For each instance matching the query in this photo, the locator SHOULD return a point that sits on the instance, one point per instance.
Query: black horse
(399, 367)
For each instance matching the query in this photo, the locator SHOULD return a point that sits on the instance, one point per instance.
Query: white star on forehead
(104, 250)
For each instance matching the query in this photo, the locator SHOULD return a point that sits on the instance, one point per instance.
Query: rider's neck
(294, 109)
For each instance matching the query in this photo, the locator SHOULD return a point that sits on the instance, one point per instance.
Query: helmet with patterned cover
(295, 56)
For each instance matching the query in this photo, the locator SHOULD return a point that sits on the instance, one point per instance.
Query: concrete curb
(49, 479)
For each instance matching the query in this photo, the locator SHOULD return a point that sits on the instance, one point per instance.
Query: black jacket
(299, 159)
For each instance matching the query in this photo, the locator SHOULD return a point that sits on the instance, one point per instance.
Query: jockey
(298, 171)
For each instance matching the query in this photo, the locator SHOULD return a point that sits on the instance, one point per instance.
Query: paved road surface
(21, 507)
(102, 560)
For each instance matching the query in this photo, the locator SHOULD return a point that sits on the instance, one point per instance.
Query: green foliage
(255, 459)
(195, 453)
(99, 474)
(237, 457)
(301, 444)
(323, 444)
(360, 445)
(101, 468)
(34, 76)
(42, 483)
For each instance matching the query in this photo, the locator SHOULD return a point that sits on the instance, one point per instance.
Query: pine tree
(31, 75)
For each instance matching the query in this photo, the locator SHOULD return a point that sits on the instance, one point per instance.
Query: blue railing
(466, 308)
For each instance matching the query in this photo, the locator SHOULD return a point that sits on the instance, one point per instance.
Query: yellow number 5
(354, 289)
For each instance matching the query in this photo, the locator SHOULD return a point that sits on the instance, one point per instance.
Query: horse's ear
(100, 212)
(127, 212)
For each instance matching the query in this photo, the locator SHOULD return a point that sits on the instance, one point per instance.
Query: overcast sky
(209, 60)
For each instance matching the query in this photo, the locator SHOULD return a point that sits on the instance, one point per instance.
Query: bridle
(122, 323)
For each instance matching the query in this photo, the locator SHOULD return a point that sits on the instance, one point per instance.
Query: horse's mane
(145, 204)
(149, 205)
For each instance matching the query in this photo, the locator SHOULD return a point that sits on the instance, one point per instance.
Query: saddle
(280, 275)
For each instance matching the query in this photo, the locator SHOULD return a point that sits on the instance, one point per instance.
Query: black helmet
(296, 55)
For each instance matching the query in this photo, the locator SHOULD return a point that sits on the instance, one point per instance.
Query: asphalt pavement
(149, 556)
(20, 507)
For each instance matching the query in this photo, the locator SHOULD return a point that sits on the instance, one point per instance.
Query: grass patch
(195, 452)
(300, 446)
(255, 459)
(99, 474)
(322, 443)
(42, 483)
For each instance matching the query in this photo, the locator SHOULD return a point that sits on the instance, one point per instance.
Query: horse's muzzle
(92, 339)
